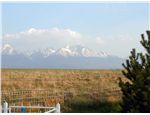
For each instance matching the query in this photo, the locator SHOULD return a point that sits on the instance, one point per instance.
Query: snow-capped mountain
(43, 53)
(47, 52)
(79, 51)
(65, 51)
(8, 49)
(70, 57)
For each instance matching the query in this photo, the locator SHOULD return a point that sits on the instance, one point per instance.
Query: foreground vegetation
(91, 90)
(137, 70)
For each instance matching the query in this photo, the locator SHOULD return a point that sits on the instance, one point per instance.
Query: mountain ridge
(69, 57)
(64, 51)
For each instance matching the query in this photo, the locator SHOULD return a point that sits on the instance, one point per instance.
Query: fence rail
(9, 109)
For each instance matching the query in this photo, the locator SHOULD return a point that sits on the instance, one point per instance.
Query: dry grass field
(85, 86)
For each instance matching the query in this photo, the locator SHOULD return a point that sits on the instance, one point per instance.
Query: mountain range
(68, 57)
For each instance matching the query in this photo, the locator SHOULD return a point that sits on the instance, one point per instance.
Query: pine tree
(136, 92)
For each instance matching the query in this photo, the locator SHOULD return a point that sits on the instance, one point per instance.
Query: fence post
(5, 107)
(30, 108)
(38, 108)
(14, 108)
(0, 108)
(57, 108)
(9, 109)
(22, 109)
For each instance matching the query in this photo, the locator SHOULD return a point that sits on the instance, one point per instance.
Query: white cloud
(41, 38)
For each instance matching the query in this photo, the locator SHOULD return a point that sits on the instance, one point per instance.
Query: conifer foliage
(136, 92)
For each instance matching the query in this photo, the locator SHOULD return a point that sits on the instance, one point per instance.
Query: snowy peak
(47, 52)
(66, 51)
(88, 53)
(8, 49)
(91, 53)
(83, 51)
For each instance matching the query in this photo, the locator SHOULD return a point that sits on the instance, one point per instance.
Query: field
(79, 90)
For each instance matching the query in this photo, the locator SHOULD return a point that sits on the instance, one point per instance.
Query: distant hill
(69, 57)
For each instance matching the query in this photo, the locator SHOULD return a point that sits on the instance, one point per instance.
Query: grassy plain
(92, 90)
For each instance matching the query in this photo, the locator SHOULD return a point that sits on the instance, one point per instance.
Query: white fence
(8, 109)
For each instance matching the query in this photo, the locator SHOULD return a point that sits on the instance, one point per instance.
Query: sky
(104, 26)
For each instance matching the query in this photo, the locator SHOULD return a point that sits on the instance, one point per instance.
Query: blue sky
(104, 22)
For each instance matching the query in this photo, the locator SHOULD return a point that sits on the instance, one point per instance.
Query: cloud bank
(41, 38)
(36, 39)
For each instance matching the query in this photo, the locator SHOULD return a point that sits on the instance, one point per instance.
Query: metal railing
(8, 109)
